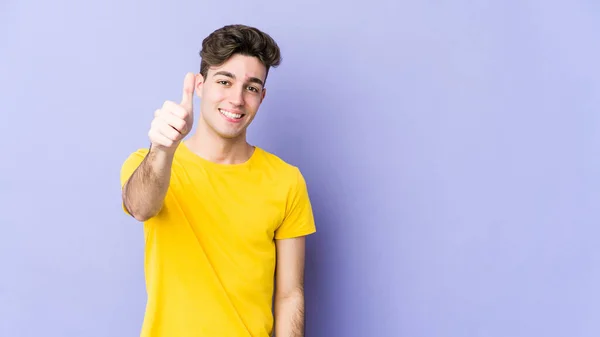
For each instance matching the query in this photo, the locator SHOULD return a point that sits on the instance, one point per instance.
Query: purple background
(450, 147)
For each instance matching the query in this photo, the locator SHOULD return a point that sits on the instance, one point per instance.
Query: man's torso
(210, 254)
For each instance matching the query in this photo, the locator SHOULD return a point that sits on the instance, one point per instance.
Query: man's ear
(264, 92)
(198, 84)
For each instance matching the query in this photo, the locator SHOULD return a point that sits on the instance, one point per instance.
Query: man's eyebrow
(224, 73)
(230, 75)
(255, 80)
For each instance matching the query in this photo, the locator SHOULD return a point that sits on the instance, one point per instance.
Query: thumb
(188, 91)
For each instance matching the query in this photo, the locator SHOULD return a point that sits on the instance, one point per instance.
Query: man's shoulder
(137, 154)
(278, 165)
(131, 162)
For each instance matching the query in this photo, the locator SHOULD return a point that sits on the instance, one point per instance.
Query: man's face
(231, 95)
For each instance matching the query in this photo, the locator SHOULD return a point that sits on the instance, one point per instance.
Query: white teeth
(230, 114)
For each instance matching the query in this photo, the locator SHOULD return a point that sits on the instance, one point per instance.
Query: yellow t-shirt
(210, 252)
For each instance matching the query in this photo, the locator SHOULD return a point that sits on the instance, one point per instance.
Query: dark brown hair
(224, 42)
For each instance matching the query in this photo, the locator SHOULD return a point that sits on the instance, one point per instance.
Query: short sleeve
(130, 165)
(299, 219)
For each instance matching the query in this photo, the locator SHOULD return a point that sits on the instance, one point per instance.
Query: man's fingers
(175, 109)
(188, 91)
(159, 139)
(169, 132)
(175, 122)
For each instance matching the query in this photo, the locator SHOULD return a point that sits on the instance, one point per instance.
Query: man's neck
(208, 145)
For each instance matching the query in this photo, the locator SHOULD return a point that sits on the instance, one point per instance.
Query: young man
(224, 221)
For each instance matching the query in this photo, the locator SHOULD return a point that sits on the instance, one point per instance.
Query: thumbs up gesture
(172, 122)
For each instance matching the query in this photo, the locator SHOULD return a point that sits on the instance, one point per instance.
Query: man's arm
(289, 287)
(144, 192)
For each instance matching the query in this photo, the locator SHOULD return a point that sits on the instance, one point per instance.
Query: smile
(230, 114)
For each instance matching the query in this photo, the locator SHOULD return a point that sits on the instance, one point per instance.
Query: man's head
(235, 63)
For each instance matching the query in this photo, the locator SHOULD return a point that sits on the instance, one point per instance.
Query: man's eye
(224, 82)
(253, 89)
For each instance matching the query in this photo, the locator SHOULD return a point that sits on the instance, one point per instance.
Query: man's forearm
(289, 315)
(145, 191)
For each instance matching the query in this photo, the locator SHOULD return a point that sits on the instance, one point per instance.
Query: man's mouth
(230, 114)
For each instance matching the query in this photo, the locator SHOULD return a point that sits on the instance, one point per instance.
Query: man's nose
(236, 96)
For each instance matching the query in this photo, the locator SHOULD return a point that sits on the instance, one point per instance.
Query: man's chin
(231, 134)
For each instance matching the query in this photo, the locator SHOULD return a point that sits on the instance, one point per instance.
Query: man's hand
(174, 121)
